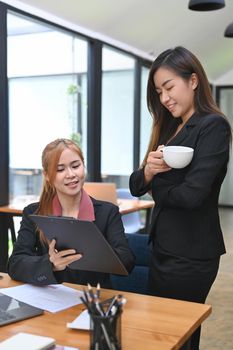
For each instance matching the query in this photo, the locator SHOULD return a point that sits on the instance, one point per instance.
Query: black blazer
(185, 220)
(30, 263)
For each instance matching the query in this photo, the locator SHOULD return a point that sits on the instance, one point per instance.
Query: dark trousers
(181, 278)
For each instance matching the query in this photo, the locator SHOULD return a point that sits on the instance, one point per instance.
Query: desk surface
(126, 206)
(148, 322)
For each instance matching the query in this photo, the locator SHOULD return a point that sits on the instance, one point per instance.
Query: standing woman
(34, 259)
(185, 227)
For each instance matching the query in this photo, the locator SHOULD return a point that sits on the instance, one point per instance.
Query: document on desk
(53, 298)
(81, 322)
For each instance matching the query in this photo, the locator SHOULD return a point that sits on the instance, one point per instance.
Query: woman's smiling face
(70, 175)
(176, 93)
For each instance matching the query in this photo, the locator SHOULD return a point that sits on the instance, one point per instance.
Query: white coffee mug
(177, 156)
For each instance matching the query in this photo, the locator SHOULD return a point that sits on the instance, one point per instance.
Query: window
(47, 82)
(117, 117)
(226, 105)
(146, 119)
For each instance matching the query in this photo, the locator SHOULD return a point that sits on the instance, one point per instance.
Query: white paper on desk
(81, 322)
(53, 298)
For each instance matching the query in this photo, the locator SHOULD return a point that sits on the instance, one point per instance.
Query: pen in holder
(105, 332)
(105, 320)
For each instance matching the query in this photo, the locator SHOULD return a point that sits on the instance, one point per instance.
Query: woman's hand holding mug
(155, 164)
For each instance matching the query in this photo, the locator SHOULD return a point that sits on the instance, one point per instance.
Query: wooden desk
(15, 208)
(148, 323)
(126, 206)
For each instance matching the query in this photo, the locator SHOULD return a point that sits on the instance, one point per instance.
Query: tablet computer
(86, 239)
(12, 310)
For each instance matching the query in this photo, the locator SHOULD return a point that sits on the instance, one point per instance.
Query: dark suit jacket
(30, 263)
(185, 219)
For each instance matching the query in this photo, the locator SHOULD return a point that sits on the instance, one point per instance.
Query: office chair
(136, 282)
(105, 191)
(132, 222)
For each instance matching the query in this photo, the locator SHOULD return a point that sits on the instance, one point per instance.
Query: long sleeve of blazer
(30, 263)
(185, 220)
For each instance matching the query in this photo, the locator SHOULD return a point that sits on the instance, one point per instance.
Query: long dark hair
(184, 63)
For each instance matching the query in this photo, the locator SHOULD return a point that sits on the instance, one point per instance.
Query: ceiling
(149, 27)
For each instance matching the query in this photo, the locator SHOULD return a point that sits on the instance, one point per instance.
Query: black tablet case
(86, 239)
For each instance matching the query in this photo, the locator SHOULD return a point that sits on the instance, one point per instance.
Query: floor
(217, 330)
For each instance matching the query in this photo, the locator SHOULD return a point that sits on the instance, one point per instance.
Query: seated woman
(34, 259)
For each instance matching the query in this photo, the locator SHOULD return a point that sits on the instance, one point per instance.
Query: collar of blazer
(184, 132)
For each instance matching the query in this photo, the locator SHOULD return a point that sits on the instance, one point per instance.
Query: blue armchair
(136, 282)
